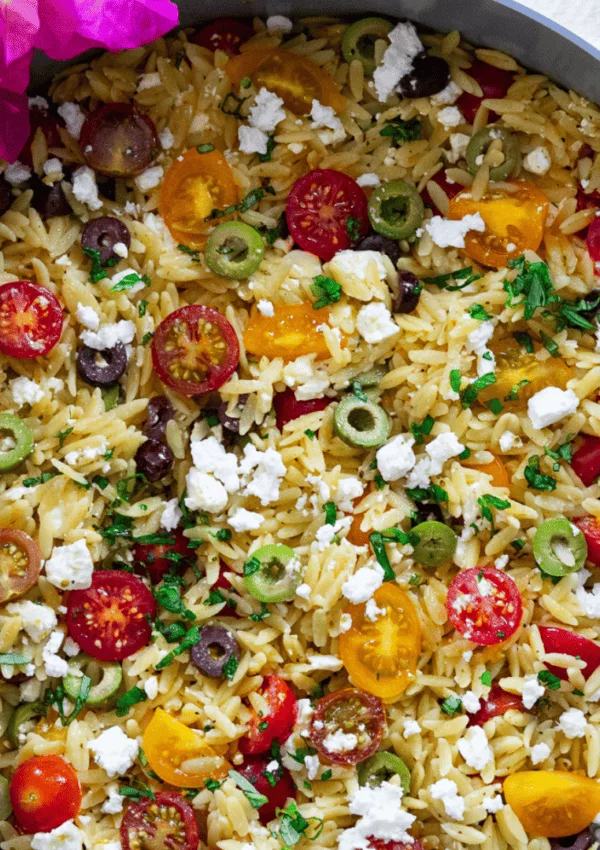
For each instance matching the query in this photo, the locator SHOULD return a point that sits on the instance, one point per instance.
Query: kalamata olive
(154, 460)
(213, 651)
(426, 512)
(160, 410)
(383, 244)
(49, 201)
(231, 423)
(119, 140)
(581, 841)
(6, 197)
(429, 75)
(101, 368)
(406, 298)
(102, 234)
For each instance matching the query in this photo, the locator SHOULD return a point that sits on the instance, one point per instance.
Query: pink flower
(63, 29)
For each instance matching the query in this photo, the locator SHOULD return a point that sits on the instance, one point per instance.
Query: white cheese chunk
(550, 405)
(70, 567)
(114, 751)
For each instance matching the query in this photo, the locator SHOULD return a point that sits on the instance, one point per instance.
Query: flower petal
(19, 24)
(14, 124)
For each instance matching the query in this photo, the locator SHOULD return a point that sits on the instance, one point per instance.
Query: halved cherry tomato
(195, 350)
(382, 844)
(287, 407)
(223, 583)
(31, 319)
(593, 240)
(292, 330)
(119, 140)
(381, 655)
(590, 527)
(494, 84)
(167, 821)
(552, 803)
(279, 720)
(296, 79)
(586, 460)
(40, 119)
(451, 189)
(111, 619)
(44, 792)
(20, 562)
(495, 469)
(195, 185)
(178, 754)
(255, 771)
(587, 200)
(515, 222)
(570, 643)
(348, 712)
(152, 561)
(497, 703)
(484, 605)
(226, 34)
(318, 210)
(356, 535)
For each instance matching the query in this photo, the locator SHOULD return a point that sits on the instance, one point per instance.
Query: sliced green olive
(361, 424)
(437, 543)
(396, 209)
(359, 41)
(381, 768)
(23, 437)
(273, 573)
(371, 379)
(511, 149)
(5, 806)
(20, 716)
(559, 548)
(108, 676)
(234, 250)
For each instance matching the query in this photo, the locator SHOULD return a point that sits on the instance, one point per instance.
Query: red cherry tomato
(226, 34)
(451, 189)
(255, 771)
(280, 718)
(44, 793)
(111, 619)
(586, 460)
(152, 561)
(119, 140)
(381, 844)
(498, 702)
(593, 240)
(570, 643)
(166, 822)
(48, 124)
(319, 210)
(348, 712)
(287, 407)
(494, 83)
(484, 605)
(195, 350)
(587, 200)
(31, 319)
(223, 583)
(590, 527)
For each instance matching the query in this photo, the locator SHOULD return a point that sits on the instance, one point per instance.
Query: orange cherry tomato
(495, 469)
(20, 563)
(552, 803)
(44, 792)
(290, 332)
(513, 218)
(381, 655)
(194, 185)
(294, 78)
(178, 754)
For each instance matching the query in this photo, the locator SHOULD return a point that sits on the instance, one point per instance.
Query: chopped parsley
(532, 284)
(486, 678)
(487, 502)
(330, 513)
(132, 697)
(353, 228)
(130, 280)
(205, 148)
(62, 436)
(455, 380)
(525, 341)
(545, 677)
(401, 131)
(45, 476)
(378, 545)
(294, 826)
(98, 269)
(251, 566)
(470, 393)
(192, 252)
(232, 104)
(142, 308)
(310, 434)
(536, 479)
(252, 198)
(215, 597)
(266, 157)
(326, 291)
(513, 395)
(550, 345)
(433, 493)
(442, 280)
(192, 636)
(260, 615)
(476, 311)
(230, 667)
(415, 580)
(255, 799)
(452, 706)
(495, 405)
(562, 452)
(136, 794)
(420, 430)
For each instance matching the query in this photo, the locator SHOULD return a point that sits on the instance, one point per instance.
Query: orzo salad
(299, 520)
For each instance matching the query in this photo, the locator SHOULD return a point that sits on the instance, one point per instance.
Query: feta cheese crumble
(243, 520)
(550, 405)
(474, 748)
(38, 620)
(411, 727)
(538, 161)
(88, 317)
(325, 117)
(539, 753)
(24, 391)
(279, 23)
(381, 816)
(437, 453)
(73, 116)
(450, 117)
(396, 458)
(65, 837)
(363, 584)
(85, 189)
(451, 234)
(532, 691)
(397, 62)
(109, 335)
(114, 751)
(171, 515)
(446, 790)
(572, 723)
(375, 323)
(70, 567)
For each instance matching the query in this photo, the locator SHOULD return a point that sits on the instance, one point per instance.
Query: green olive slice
(511, 149)
(234, 250)
(396, 209)
(559, 547)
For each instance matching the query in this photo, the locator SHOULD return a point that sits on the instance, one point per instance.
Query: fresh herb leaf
(533, 283)
(260, 615)
(245, 82)
(420, 430)
(310, 434)
(513, 395)
(147, 337)
(330, 513)
(487, 502)
(353, 228)
(252, 198)
(62, 436)
(136, 794)
(569, 315)
(452, 706)
(476, 311)
(486, 678)
(442, 280)
(401, 131)
(380, 552)
(232, 104)
(545, 677)
(205, 148)
(326, 291)
(470, 393)
(98, 269)
(379, 481)
(127, 487)
(550, 345)
(192, 252)
(100, 481)
(251, 566)
(465, 455)
(191, 638)
(455, 380)
(212, 784)
(433, 493)
(327, 774)
(255, 799)
(294, 825)
(45, 476)
(133, 696)
(266, 157)
(538, 480)
(495, 405)
(230, 667)
(415, 580)
(525, 341)
(130, 280)
(142, 306)
(215, 597)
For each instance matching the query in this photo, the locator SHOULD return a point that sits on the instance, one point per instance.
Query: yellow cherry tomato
(294, 78)
(495, 469)
(195, 185)
(552, 803)
(515, 221)
(178, 754)
(290, 332)
(381, 655)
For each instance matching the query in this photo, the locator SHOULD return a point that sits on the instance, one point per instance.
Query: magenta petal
(19, 24)
(14, 124)
(69, 27)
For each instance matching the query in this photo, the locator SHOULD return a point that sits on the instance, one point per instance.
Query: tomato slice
(498, 702)
(31, 319)
(495, 469)
(288, 408)
(111, 619)
(590, 527)
(166, 823)
(552, 803)
(593, 241)
(381, 655)
(20, 563)
(255, 771)
(192, 188)
(279, 719)
(292, 331)
(296, 79)
(494, 84)
(319, 208)
(484, 605)
(347, 726)
(178, 754)
(570, 643)
(382, 844)
(195, 350)
(586, 460)
(44, 793)
(515, 221)
(152, 560)
(119, 140)
(226, 34)
(585, 201)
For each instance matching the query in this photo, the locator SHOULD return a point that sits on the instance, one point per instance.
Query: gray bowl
(534, 40)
